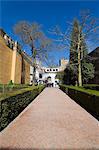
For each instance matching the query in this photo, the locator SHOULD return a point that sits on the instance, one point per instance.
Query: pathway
(53, 121)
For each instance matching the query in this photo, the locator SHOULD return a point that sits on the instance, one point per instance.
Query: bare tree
(32, 35)
(88, 30)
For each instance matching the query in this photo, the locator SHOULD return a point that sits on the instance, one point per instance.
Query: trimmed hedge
(88, 99)
(14, 103)
(8, 88)
(91, 86)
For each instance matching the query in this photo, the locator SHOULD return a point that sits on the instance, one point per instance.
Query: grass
(94, 85)
(91, 86)
(82, 89)
(7, 89)
(19, 91)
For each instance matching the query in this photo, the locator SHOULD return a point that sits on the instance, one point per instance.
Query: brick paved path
(52, 122)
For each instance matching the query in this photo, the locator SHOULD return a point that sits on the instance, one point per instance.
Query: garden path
(53, 121)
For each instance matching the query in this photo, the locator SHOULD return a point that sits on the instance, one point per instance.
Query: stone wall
(18, 68)
(5, 62)
(62, 64)
(27, 72)
(11, 62)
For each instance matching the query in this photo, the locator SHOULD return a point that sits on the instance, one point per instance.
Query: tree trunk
(34, 70)
(34, 64)
(79, 62)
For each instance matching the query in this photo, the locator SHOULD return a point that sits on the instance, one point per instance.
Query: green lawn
(82, 89)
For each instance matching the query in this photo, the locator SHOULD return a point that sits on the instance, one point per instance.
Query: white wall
(31, 74)
(44, 76)
(52, 75)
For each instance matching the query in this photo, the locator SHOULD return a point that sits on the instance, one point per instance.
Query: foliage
(70, 74)
(87, 71)
(13, 103)
(5, 88)
(83, 30)
(74, 41)
(10, 82)
(91, 86)
(60, 76)
(82, 89)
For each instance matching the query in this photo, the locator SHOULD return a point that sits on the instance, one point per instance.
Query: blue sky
(47, 13)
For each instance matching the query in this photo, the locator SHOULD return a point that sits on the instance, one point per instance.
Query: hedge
(91, 86)
(7, 87)
(14, 103)
(88, 99)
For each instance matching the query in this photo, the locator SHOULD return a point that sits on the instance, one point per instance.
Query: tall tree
(73, 61)
(74, 41)
(78, 51)
(32, 35)
(84, 70)
(86, 30)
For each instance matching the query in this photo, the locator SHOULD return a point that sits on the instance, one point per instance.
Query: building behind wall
(63, 63)
(45, 73)
(14, 63)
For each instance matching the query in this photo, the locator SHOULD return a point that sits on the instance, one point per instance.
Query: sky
(46, 13)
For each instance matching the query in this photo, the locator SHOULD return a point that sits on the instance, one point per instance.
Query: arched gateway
(48, 73)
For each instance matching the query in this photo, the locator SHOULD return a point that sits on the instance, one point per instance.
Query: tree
(86, 27)
(74, 41)
(87, 71)
(60, 76)
(87, 66)
(76, 54)
(73, 61)
(32, 35)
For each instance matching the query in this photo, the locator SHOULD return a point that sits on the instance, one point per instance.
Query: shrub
(10, 82)
(4, 88)
(12, 104)
(91, 86)
(88, 99)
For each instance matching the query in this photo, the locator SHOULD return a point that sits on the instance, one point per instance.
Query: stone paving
(53, 121)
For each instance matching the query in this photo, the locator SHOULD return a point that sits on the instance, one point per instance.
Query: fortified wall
(14, 63)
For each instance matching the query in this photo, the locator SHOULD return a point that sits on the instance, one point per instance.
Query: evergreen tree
(87, 71)
(87, 67)
(79, 66)
(84, 49)
(72, 67)
(74, 41)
